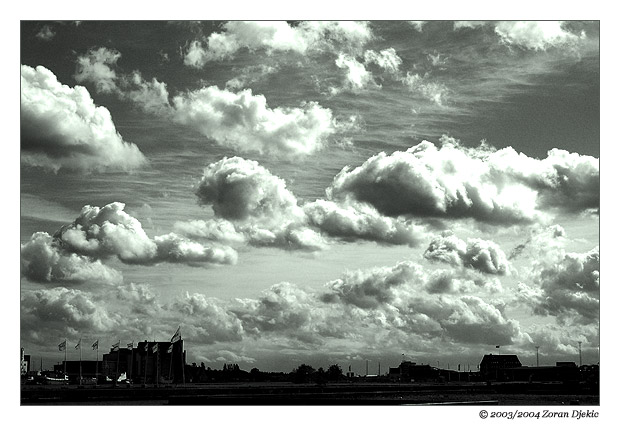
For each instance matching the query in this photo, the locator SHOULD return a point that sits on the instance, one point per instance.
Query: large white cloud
(245, 122)
(62, 128)
(497, 187)
(43, 260)
(254, 206)
(276, 36)
(258, 204)
(110, 231)
(482, 255)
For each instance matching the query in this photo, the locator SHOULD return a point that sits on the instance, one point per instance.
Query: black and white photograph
(310, 213)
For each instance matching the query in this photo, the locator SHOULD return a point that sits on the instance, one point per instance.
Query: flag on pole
(62, 346)
(177, 335)
(130, 345)
(170, 348)
(155, 348)
(116, 346)
(96, 344)
(78, 344)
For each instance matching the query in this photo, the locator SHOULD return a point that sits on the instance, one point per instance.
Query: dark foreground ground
(330, 394)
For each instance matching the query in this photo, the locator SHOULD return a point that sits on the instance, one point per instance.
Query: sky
(319, 192)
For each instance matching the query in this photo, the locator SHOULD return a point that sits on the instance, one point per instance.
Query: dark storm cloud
(482, 255)
(62, 128)
(568, 289)
(496, 187)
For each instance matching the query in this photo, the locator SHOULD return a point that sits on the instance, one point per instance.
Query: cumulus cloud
(62, 128)
(253, 206)
(238, 189)
(110, 231)
(258, 203)
(371, 288)
(44, 260)
(568, 289)
(361, 221)
(418, 25)
(208, 320)
(482, 255)
(497, 187)
(64, 310)
(276, 36)
(246, 123)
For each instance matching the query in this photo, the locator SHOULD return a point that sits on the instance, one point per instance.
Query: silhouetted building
(24, 362)
(410, 371)
(143, 365)
(493, 367)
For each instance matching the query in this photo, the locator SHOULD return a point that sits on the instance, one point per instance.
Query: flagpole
(131, 375)
(80, 361)
(118, 357)
(170, 369)
(65, 369)
(146, 363)
(97, 365)
(157, 366)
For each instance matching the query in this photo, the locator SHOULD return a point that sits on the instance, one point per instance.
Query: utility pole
(537, 355)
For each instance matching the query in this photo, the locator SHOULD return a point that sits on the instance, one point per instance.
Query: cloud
(361, 221)
(536, 35)
(532, 35)
(96, 67)
(258, 204)
(62, 128)
(110, 231)
(387, 59)
(152, 96)
(418, 25)
(568, 289)
(276, 37)
(430, 90)
(62, 309)
(252, 205)
(176, 249)
(239, 189)
(357, 77)
(371, 288)
(496, 187)
(482, 255)
(245, 122)
(207, 320)
(46, 33)
(541, 241)
(249, 75)
(44, 260)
